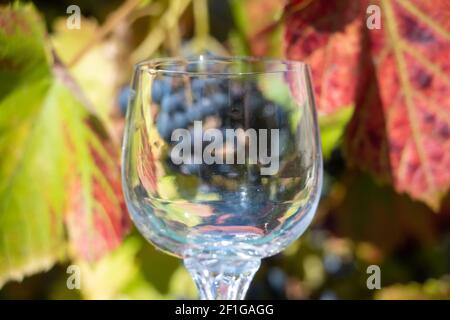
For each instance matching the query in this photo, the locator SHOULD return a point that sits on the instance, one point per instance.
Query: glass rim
(159, 65)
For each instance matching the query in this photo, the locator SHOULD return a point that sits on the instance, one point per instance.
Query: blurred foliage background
(361, 220)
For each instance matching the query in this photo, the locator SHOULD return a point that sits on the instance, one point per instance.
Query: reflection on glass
(222, 163)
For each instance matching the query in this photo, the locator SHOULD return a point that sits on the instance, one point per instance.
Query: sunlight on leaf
(33, 173)
(117, 275)
(332, 127)
(97, 71)
(56, 149)
(396, 76)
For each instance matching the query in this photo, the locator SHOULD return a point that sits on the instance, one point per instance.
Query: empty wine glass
(222, 163)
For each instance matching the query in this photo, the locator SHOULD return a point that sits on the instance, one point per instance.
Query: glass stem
(226, 278)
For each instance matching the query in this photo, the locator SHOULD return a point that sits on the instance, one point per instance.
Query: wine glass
(222, 163)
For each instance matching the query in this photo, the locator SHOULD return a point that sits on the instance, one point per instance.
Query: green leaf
(55, 159)
(136, 270)
(332, 127)
(117, 275)
(182, 285)
(32, 173)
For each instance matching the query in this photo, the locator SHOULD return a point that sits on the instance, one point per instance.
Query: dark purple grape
(220, 100)
(124, 95)
(255, 101)
(237, 91)
(202, 88)
(172, 103)
(281, 117)
(160, 89)
(273, 116)
(202, 84)
(194, 113)
(236, 113)
(246, 98)
(180, 120)
(197, 86)
(206, 107)
(164, 126)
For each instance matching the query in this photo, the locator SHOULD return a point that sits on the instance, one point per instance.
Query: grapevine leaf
(396, 76)
(118, 275)
(50, 150)
(33, 162)
(327, 36)
(96, 217)
(332, 127)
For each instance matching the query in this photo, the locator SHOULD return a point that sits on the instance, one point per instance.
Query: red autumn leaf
(56, 165)
(327, 35)
(397, 77)
(96, 218)
(146, 165)
(97, 221)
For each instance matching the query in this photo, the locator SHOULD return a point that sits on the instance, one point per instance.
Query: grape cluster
(177, 112)
(230, 103)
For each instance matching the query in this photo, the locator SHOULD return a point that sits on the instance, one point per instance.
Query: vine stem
(201, 19)
(173, 34)
(158, 35)
(121, 13)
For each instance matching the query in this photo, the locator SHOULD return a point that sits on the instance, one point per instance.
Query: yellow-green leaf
(51, 148)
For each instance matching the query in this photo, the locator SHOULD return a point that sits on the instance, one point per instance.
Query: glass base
(222, 278)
